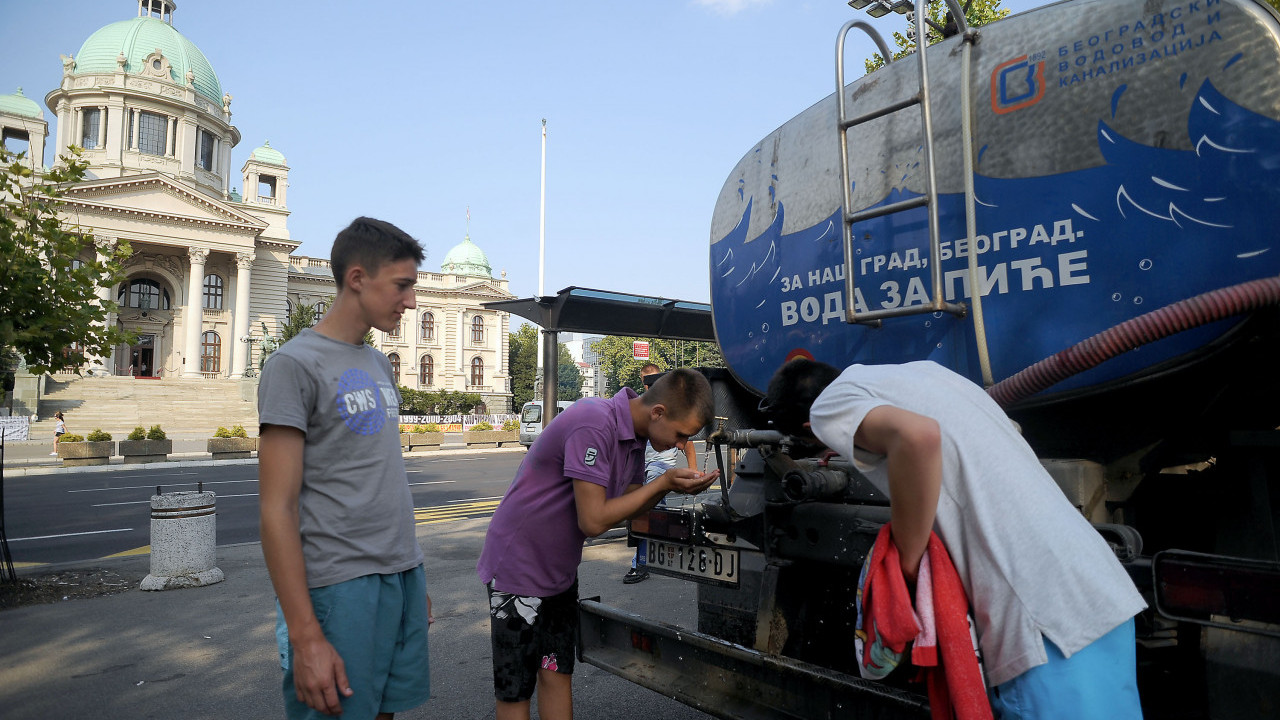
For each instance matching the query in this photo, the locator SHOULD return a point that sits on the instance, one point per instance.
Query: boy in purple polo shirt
(584, 475)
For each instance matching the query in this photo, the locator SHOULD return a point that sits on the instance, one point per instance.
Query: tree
(568, 376)
(522, 361)
(976, 12)
(621, 369)
(302, 317)
(50, 313)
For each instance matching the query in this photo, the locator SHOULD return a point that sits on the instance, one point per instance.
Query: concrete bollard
(183, 531)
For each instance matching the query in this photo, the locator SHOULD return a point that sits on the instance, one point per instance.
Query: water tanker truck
(1078, 208)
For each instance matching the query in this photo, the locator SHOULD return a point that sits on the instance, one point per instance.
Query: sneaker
(635, 575)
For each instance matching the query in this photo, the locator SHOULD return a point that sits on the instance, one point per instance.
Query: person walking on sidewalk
(58, 431)
(655, 463)
(336, 512)
(583, 476)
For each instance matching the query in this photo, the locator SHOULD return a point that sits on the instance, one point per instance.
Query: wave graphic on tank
(1149, 227)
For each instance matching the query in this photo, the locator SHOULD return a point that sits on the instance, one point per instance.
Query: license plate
(699, 562)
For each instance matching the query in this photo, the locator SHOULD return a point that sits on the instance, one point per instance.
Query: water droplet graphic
(1144, 264)
(928, 323)
(1137, 301)
(1116, 297)
(938, 315)
(764, 327)
(751, 334)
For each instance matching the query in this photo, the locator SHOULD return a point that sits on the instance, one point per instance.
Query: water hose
(1133, 333)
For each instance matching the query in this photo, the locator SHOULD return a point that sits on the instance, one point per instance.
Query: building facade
(213, 271)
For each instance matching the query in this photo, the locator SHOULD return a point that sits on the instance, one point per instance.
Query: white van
(531, 419)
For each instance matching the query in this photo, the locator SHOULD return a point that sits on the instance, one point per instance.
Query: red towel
(954, 680)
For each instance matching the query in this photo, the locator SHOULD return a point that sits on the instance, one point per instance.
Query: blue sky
(415, 111)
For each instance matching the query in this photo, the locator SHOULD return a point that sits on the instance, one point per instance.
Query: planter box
(86, 453)
(426, 441)
(232, 448)
(404, 441)
(145, 451)
(490, 438)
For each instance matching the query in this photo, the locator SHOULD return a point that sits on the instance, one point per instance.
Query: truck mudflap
(728, 680)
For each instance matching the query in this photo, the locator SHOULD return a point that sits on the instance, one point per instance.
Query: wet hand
(690, 481)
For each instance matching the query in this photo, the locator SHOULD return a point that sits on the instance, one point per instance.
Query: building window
(318, 311)
(288, 307)
(477, 371)
(267, 189)
(428, 327)
(395, 367)
(477, 330)
(153, 133)
(204, 150)
(426, 370)
(210, 352)
(143, 294)
(212, 292)
(394, 332)
(92, 125)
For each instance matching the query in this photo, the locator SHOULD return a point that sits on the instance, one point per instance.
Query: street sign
(640, 349)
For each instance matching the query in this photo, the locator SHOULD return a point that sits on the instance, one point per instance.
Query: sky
(415, 112)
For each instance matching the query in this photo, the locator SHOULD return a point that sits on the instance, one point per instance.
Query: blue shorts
(1100, 681)
(378, 625)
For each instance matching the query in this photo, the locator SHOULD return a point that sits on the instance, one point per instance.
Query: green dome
(466, 259)
(267, 154)
(19, 104)
(138, 38)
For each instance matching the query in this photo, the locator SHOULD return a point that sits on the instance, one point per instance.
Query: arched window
(477, 371)
(477, 330)
(319, 309)
(210, 352)
(144, 294)
(428, 327)
(395, 366)
(288, 307)
(426, 371)
(212, 292)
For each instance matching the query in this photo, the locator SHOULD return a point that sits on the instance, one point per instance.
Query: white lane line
(433, 482)
(495, 497)
(50, 537)
(172, 474)
(148, 502)
(152, 487)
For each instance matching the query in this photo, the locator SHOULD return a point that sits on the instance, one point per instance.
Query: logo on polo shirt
(590, 457)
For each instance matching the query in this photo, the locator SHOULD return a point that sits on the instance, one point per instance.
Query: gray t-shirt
(355, 511)
(1029, 561)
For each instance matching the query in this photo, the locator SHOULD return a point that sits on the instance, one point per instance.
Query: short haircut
(371, 244)
(683, 392)
(792, 391)
(649, 369)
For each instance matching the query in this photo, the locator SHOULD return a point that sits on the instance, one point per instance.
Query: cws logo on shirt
(363, 404)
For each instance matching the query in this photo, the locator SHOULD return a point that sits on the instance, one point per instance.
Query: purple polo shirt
(534, 545)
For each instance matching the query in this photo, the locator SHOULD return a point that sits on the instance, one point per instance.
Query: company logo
(590, 457)
(360, 403)
(1016, 84)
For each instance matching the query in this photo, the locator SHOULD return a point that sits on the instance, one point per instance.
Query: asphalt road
(75, 517)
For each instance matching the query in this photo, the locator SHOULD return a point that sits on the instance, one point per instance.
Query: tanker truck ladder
(930, 196)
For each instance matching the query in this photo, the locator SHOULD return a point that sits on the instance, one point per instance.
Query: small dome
(19, 104)
(267, 154)
(466, 259)
(235, 195)
(138, 38)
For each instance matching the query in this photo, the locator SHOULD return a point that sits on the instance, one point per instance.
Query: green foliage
(568, 376)
(71, 437)
(222, 432)
(440, 402)
(98, 435)
(1274, 3)
(482, 426)
(302, 317)
(622, 370)
(976, 12)
(51, 272)
(138, 433)
(238, 431)
(522, 363)
(510, 425)
(155, 433)
(429, 428)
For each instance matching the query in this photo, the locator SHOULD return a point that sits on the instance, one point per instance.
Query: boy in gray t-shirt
(336, 511)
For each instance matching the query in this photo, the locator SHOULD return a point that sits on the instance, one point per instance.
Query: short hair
(683, 391)
(371, 243)
(792, 391)
(649, 374)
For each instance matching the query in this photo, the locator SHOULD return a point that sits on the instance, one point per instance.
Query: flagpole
(542, 215)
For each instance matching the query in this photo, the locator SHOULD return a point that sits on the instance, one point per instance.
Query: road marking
(433, 482)
(148, 502)
(491, 497)
(78, 534)
(152, 487)
(463, 510)
(144, 550)
(173, 474)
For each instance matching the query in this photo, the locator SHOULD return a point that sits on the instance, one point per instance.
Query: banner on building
(15, 427)
(640, 349)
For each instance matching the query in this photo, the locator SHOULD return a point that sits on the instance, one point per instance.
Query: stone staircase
(184, 408)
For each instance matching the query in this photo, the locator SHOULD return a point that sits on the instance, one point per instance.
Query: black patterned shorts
(531, 634)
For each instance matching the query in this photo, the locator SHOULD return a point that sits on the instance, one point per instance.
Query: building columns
(240, 318)
(99, 365)
(193, 318)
